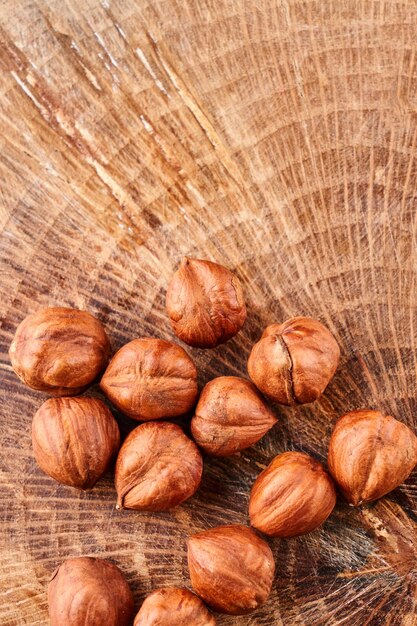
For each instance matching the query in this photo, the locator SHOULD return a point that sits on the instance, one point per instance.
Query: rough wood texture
(276, 137)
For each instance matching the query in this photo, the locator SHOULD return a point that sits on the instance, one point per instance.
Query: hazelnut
(74, 440)
(151, 378)
(158, 467)
(230, 416)
(293, 496)
(91, 591)
(173, 607)
(294, 362)
(205, 303)
(370, 454)
(231, 568)
(59, 350)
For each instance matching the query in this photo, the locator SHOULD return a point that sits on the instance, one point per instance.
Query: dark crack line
(290, 369)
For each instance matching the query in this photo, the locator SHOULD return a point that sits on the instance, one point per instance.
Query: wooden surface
(275, 136)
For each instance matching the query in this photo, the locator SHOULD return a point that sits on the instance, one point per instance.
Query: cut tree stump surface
(277, 137)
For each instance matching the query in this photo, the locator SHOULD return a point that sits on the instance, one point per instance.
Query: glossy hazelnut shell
(294, 362)
(158, 467)
(74, 440)
(370, 454)
(173, 606)
(205, 303)
(151, 378)
(292, 496)
(59, 350)
(231, 415)
(88, 591)
(231, 568)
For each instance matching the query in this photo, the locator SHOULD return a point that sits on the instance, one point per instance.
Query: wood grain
(277, 137)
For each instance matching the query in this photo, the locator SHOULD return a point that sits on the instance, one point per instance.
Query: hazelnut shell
(157, 468)
(173, 607)
(370, 454)
(151, 378)
(74, 440)
(59, 350)
(230, 416)
(292, 496)
(294, 362)
(86, 590)
(231, 568)
(205, 303)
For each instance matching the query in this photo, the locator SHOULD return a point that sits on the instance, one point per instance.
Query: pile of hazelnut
(62, 351)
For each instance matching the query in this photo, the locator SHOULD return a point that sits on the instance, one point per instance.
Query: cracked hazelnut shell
(292, 496)
(231, 568)
(59, 350)
(158, 467)
(294, 362)
(151, 378)
(370, 454)
(74, 440)
(86, 590)
(205, 303)
(230, 416)
(173, 606)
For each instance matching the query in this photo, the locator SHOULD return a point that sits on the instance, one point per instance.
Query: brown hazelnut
(370, 454)
(173, 607)
(87, 591)
(158, 467)
(74, 440)
(205, 303)
(231, 568)
(293, 496)
(59, 350)
(294, 362)
(151, 378)
(230, 416)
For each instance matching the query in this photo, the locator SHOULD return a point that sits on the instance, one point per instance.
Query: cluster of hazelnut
(61, 351)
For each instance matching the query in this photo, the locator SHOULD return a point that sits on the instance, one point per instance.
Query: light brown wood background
(275, 136)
